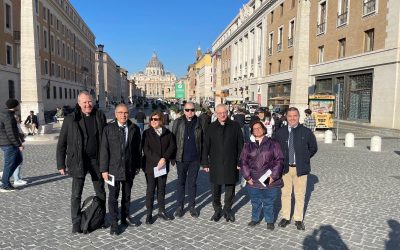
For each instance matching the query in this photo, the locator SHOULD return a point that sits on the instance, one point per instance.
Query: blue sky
(131, 29)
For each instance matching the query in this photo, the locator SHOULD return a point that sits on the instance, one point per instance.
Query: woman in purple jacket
(258, 156)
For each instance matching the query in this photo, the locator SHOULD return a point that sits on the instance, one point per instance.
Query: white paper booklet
(162, 171)
(265, 176)
(111, 180)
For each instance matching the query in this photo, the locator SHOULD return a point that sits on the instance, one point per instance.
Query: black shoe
(76, 228)
(129, 222)
(270, 226)
(178, 212)
(193, 212)
(229, 216)
(299, 225)
(163, 216)
(253, 223)
(217, 216)
(114, 228)
(149, 219)
(284, 223)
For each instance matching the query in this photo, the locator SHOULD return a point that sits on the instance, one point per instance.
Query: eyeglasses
(187, 110)
(123, 113)
(156, 119)
(222, 113)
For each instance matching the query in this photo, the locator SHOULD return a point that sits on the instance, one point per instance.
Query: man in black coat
(120, 156)
(222, 147)
(32, 123)
(188, 132)
(298, 145)
(78, 150)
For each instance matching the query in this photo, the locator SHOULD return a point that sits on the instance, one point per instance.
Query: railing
(279, 47)
(290, 42)
(320, 28)
(369, 7)
(342, 19)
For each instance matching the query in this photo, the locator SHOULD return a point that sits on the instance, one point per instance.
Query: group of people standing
(118, 150)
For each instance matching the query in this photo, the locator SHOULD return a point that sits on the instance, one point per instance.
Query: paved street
(352, 202)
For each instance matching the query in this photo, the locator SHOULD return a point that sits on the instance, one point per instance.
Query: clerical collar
(121, 125)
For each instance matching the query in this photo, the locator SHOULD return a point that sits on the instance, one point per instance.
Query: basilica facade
(154, 82)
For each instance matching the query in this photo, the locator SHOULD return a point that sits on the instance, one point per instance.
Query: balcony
(279, 47)
(269, 51)
(342, 19)
(369, 7)
(290, 42)
(17, 36)
(320, 28)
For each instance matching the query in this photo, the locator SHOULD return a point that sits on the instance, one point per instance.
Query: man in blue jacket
(298, 145)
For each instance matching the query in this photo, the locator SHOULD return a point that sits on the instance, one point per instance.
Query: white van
(252, 107)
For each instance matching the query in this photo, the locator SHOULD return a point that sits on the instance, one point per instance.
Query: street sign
(179, 90)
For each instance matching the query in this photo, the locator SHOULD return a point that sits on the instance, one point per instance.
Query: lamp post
(100, 77)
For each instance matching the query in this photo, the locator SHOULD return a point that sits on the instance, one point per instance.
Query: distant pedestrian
(159, 148)
(298, 145)
(309, 121)
(59, 114)
(78, 151)
(222, 147)
(189, 136)
(10, 143)
(120, 156)
(260, 155)
(32, 123)
(140, 118)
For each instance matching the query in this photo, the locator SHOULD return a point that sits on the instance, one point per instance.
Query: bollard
(328, 136)
(376, 143)
(349, 140)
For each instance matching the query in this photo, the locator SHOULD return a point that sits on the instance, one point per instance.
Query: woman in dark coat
(159, 147)
(260, 155)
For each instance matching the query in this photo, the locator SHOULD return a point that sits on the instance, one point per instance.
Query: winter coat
(32, 120)
(116, 158)
(9, 134)
(178, 130)
(256, 160)
(305, 147)
(71, 141)
(156, 147)
(222, 147)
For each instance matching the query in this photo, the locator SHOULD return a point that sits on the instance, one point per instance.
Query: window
(343, 12)
(48, 89)
(9, 54)
(280, 39)
(54, 92)
(281, 8)
(369, 40)
(270, 43)
(60, 92)
(342, 48)
(11, 89)
(369, 7)
(65, 93)
(37, 7)
(321, 18)
(291, 33)
(63, 50)
(279, 65)
(290, 62)
(272, 17)
(270, 68)
(74, 94)
(58, 47)
(45, 39)
(52, 43)
(8, 16)
(46, 67)
(321, 54)
(38, 35)
(52, 66)
(59, 70)
(44, 13)
(293, 3)
(70, 94)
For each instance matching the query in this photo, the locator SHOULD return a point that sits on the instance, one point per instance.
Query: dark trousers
(152, 183)
(77, 189)
(187, 171)
(113, 195)
(229, 195)
(12, 159)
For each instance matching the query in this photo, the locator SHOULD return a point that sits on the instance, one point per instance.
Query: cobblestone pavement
(352, 203)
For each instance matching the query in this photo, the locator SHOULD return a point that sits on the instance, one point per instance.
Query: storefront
(355, 94)
(279, 95)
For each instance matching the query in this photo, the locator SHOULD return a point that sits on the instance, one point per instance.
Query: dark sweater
(91, 144)
(189, 144)
(9, 134)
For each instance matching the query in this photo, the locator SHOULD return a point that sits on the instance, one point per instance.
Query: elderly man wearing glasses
(188, 132)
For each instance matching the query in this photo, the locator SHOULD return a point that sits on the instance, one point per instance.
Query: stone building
(277, 52)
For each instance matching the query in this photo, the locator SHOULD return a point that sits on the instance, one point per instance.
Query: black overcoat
(222, 147)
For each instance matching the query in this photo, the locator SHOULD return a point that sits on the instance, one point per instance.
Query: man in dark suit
(32, 123)
(222, 147)
(120, 156)
(298, 145)
(78, 150)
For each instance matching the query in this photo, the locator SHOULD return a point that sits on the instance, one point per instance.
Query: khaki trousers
(299, 183)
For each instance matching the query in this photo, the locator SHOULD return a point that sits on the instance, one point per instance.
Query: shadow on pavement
(394, 235)
(397, 152)
(311, 181)
(326, 237)
(43, 179)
